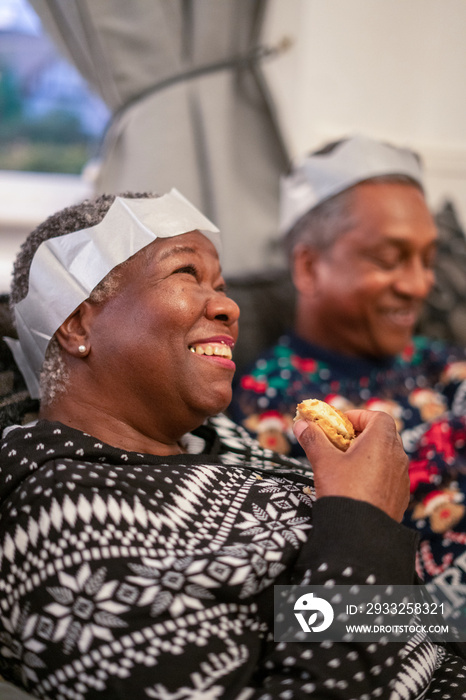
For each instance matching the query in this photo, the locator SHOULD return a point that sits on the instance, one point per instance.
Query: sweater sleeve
(352, 534)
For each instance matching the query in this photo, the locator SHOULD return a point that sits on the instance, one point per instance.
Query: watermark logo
(310, 603)
(366, 613)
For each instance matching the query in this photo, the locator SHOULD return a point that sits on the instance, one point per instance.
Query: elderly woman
(142, 532)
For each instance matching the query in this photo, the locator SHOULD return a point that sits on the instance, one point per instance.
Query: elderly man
(362, 245)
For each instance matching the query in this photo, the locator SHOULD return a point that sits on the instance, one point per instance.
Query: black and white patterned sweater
(126, 575)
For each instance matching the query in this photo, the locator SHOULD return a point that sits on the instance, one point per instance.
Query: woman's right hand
(373, 469)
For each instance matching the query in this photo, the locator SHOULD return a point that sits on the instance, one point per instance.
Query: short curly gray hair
(90, 212)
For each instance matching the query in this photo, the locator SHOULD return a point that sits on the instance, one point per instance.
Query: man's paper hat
(65, 270)
(322, 175)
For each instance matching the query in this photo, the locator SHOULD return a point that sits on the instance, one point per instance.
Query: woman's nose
(222, 307)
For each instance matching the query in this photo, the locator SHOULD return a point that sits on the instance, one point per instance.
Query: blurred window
(50, 121)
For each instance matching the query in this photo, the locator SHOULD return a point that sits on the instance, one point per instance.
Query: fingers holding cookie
(374, 469)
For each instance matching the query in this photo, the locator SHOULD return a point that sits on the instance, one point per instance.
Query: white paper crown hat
(65, 270)
(320, 176)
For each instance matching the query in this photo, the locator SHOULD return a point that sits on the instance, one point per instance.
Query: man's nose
(415, 279)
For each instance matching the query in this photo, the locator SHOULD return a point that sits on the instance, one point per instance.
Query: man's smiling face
(369, 286)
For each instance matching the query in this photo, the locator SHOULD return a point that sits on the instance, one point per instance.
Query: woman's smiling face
(161, 347)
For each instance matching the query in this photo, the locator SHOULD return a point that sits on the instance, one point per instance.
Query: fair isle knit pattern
(125, 575)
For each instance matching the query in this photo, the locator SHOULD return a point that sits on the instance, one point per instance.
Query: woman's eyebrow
(176, 250)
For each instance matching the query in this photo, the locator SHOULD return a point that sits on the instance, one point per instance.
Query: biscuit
(337, 427)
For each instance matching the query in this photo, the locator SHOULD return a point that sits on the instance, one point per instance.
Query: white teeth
(217, 349)
(403, 317)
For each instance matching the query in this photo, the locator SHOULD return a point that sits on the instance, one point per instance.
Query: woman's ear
(305, 260)
(73, 334)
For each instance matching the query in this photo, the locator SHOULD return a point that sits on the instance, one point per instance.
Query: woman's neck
(111, 429)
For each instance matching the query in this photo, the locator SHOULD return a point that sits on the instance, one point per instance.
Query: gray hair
(90, 212)
(323, 225)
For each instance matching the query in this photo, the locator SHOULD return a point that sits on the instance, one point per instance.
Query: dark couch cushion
(444, 315)
(16, 406)
(266, 302)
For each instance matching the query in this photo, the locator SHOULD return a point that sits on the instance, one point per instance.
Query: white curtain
(190, 108)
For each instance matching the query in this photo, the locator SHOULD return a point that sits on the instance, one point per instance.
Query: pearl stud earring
(82, 348)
